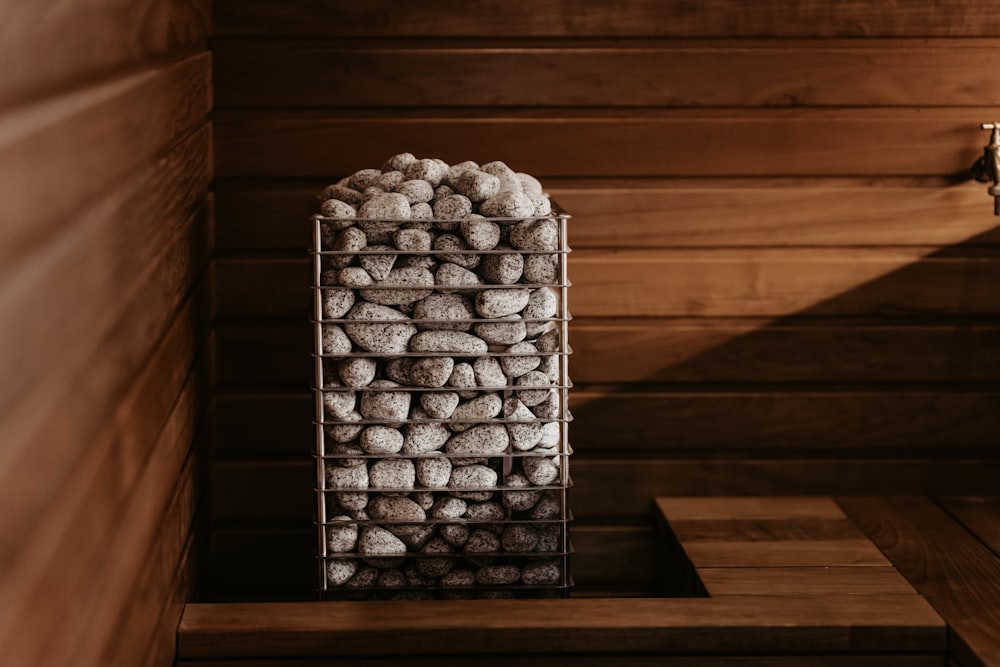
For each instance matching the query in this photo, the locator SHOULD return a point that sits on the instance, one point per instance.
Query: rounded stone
(336, 302)
(486, 511)
(395, 509)
(390, 334)
(431, 371)
(549, 408)
(399, 162)
(352, 478)
(480, 233)
(349, 454)
(503, 333)
(378, 261)
(535, 234)
(482, 541)
(357, 371)
(519, 538)
(381, 440)
(439, 404)
(411, 240)
(481, 440)
(342, 192)
(433, 472)
(502, 268)
(480, 408)
(525, 435)
(451, 277)
(548, 341)
(498, 575)
(489, 374)
(404, 285)
(444, 311)
(463, 378)
(452, 207)
(448, 342)
(472, 478)
(524, 358)
(385, 206)
(416, 191)
(347, 431)
(337, 210)
(455, 534)
(508, 204)
(340, 570)
(548, 507)
(535, 395)
(453, 249)
(430, 170)
(501, 302)
(377, 541)
(339, 404)
(422, 211)
(541, 270)
(354, 277)
(476, 184)
(541, 573)
(392, 475)
(448, 507)
(341, 534)
(335, 342)
(424, 437)
(387, 405)
(529, 184)
(520, 501)
(363, 178)
(540, 470)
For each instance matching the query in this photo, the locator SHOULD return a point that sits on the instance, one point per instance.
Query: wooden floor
(761, 581)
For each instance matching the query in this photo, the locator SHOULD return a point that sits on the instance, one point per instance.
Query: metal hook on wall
(987, 168)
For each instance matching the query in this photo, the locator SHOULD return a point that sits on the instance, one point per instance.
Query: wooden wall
(105, 313)
(783, 282)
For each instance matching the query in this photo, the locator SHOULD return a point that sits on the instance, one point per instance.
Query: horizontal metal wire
(448, 489)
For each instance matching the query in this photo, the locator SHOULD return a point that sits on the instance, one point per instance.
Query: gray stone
(378, 261)
(387, 405)
(448, 342)
(377, 439)
(451, 277)
(548, 507)
(535, 234)
(526, 359)
(543, 304)
(526, 435)
(480, 233)
(454, 249)
(357, 371)
(529, 184)
(383, 337)
(463, 377)
(455, 534)
(488, 373)
(520, 501)
(423, 437)
(395, 509)
(399, 162)
(335, 342)
(502, 301)
(444, 311)
(480, 408)
(353, 501)
(498, 575)
(548, 341)
(503, 333)
(345, 432)
(336, 302)
(342, 192)
(345, 244)
(452, 207)
(354, 277)
(341, 534)
(508, 204)
(349, 454)
(439, 404)
(430, 170)
(433, 472)
(551, 435)
(502, 268)
(448, 507)
(482, 541)
(392, 475)
(352, 478)
(340, 570)
(475, 184)
(508, 178)
(472, 478)
(412, 240)
(481, 440)
(486, 511)
(398, 370)
(541, 470)
(416, 191)
(431, 371)
(535, 389)
(422, 211)
(403, 286)
(541, 270)
(541, 573)
(519, 538)
(339, 404)
(377, 541)
(385, 206)
(363, 178)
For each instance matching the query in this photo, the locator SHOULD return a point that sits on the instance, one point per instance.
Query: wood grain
(590, 660)
(684, 350)
(792, 553)
(804, 580)
(607, 143)
(955, 572)
(686, 212)
(635, 18)
(703, 283)
(980, 516)
(254, 73)
(66, 45)
(59, 159)
(763, 508)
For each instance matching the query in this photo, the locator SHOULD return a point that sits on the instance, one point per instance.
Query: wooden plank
(613, 488)
(725, 350)
(607, 142)
(791, 553)
(131, 32)
(764, 530)
(108, 514)
(254, 73)
(767, 282)
(955, 572)
(71, 409)
(636, 18)
(679, 509)
(83, 145)
(837, 623)
(652, 213)
(980, 516)
(589, 660)
(814, 580)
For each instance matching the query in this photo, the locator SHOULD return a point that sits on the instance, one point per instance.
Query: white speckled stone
(551, 435)
(423, 437)
(519, 538)
(416, 191)
(398, 370)
(482, 541)
(526, 360)
(386, 337)
(454, 278)
(486, 511)
(399, 162)
(348, 241)
(389, 180)
(363, 178)
(548, 341)
(475, 184)
(337, 209)
(453, 249)
(357, 371)
(488, 373)
(345, 432)
(439, 404)
(340, 570)
(447, 311)
(463, 377)
(501, 302)
(396, 509)
(508, 204)
(472, 478)
(526, 435)
(548, 507)
(354, 477)
(541, 470)
(535, 234)
(341, 534)
(481, 440)
(543, 304)
(353, 502)
(448, 507)
(448, 342)
(391, 406)
(354, 277)
(392, 475)
(364, 578)
(480, 408)
(422, 211)
(541, 270)
(423, 498)
(377, 541)
(435, 567)
(342, 192)
(426, 169)
(412, 240)
(549, 537)
(433, 472)
(543, 205)
(336, 302)
(378, 261)
(339, 404)
(455, 534)
(498, 575)
(431, 371)
(415, 284)
(480, 233)
(508, 178)
(530, 397)
(520, 501)
(529, 184)
(349, 454)
(502, 268)
(503, 333)
(550, 367)
(335, 341)
(385, 206)
(452, 207)
(541, 573)
(376, 439)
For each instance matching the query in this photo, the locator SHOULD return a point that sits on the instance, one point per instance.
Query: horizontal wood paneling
(684, 350)
(980, 516)
(591, 660)
(635, 18)
(606, 143)
(89, 141)
(657, 213)
(254, 73)
(131, 33)
(684, 283)
(611, 488)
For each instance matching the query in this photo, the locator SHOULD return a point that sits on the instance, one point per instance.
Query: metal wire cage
(442, 446)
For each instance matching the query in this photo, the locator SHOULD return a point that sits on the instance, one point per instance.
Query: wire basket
(442, 450)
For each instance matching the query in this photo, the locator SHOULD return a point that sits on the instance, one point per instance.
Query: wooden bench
(790, 581)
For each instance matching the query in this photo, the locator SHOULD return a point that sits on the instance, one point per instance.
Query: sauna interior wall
(105, 369)
(783, 280)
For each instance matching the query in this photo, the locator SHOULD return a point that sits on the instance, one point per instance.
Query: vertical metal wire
(317, 263)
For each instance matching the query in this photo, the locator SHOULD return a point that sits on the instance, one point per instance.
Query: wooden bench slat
(816, 580)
